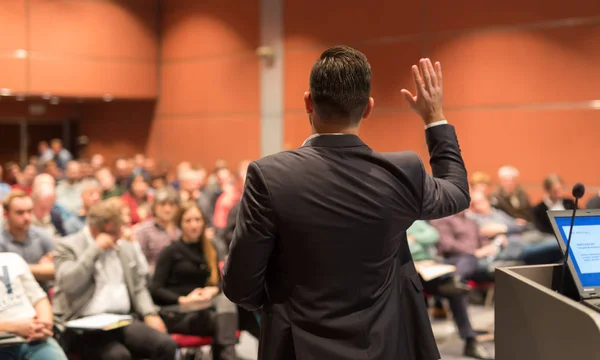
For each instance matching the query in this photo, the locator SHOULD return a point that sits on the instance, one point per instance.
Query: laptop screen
(585, 247)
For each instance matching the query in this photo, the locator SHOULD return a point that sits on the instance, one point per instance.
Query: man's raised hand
(428, 100)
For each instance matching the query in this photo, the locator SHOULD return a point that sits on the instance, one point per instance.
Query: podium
(534, 322)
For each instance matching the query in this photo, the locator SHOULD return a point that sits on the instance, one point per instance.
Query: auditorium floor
(450, 345)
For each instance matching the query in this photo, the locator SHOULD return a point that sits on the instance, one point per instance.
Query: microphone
(578, 191)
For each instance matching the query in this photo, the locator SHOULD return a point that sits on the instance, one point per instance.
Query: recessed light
(108, 97)
(595, 104)
(46, 96)
(5, 92)
(21, 53)
(20, 97)
(55, 100)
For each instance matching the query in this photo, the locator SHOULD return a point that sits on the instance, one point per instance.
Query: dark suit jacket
(320, 245)
(540, 216)
(230, 225)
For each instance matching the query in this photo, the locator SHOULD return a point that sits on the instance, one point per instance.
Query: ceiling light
(595, 104)
(5, 92)
(21, 54)
(55, 100)
(20, 97)
(107, 97)
(46, 96)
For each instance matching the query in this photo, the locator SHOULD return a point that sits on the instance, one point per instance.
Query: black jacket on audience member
(540, 216)
(320, 245)
(180, 269)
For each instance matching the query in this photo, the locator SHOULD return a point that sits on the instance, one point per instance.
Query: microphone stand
(566, 258)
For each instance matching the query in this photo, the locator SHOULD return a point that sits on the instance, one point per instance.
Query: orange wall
(518, 77)
(209, 100)
(120, 128)
(79, 48)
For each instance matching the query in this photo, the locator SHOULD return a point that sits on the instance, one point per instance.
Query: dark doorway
(10, 143)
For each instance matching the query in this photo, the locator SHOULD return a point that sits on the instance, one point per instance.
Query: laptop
(584, 253)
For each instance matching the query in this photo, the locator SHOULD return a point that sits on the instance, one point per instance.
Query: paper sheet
(430, 270)
(100, 322)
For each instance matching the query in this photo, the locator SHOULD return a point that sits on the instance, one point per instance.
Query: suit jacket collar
(333, 141)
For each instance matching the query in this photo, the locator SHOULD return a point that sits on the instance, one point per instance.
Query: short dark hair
(340, 84)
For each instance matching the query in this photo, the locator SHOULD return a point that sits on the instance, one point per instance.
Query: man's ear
(308, 104)
(369, 108)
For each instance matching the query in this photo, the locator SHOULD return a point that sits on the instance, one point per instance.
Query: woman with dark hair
(187, 274)
(138, 198)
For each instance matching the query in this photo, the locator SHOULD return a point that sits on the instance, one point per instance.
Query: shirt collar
(332, 140)
(316, 135)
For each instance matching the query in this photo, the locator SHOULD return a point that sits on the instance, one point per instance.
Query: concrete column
(271, 76)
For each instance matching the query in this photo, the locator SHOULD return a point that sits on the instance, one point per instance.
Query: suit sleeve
(446, 192)
(252, 244)
(73, 273)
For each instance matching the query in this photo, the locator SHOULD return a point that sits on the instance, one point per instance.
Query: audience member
(553, 200)
(528, 245)
(25, 179)
(13, 171)
(160, 230)
(229, 197)
(68, 190)
(90, 195)
(62, 156)
(187, 274)
(45, 215)
(26, 312)
(123, 172)
(127, 234)
(46, 154)
(107, 180)
(97, 162)
(32, 243)
(182, 168)
(190, 183)
(92, 278)
(421, 238)
(53, 169)
(138, 199)
(481, 182)
(87, 173)
(462, 244)
(510, 196)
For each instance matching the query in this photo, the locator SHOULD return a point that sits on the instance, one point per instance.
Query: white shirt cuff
(437, 123)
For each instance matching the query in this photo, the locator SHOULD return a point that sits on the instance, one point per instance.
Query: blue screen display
(585, 247)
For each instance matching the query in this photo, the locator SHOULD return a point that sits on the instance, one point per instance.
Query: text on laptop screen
(585, 247)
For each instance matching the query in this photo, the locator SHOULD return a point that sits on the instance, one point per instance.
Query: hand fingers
(418, 79)
(426, 74)
(432, 73)
(438, 70)
(410, 99)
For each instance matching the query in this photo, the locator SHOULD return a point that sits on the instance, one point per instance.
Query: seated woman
(187, 273)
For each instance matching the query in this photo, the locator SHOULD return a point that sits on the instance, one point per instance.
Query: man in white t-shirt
(25, 311)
